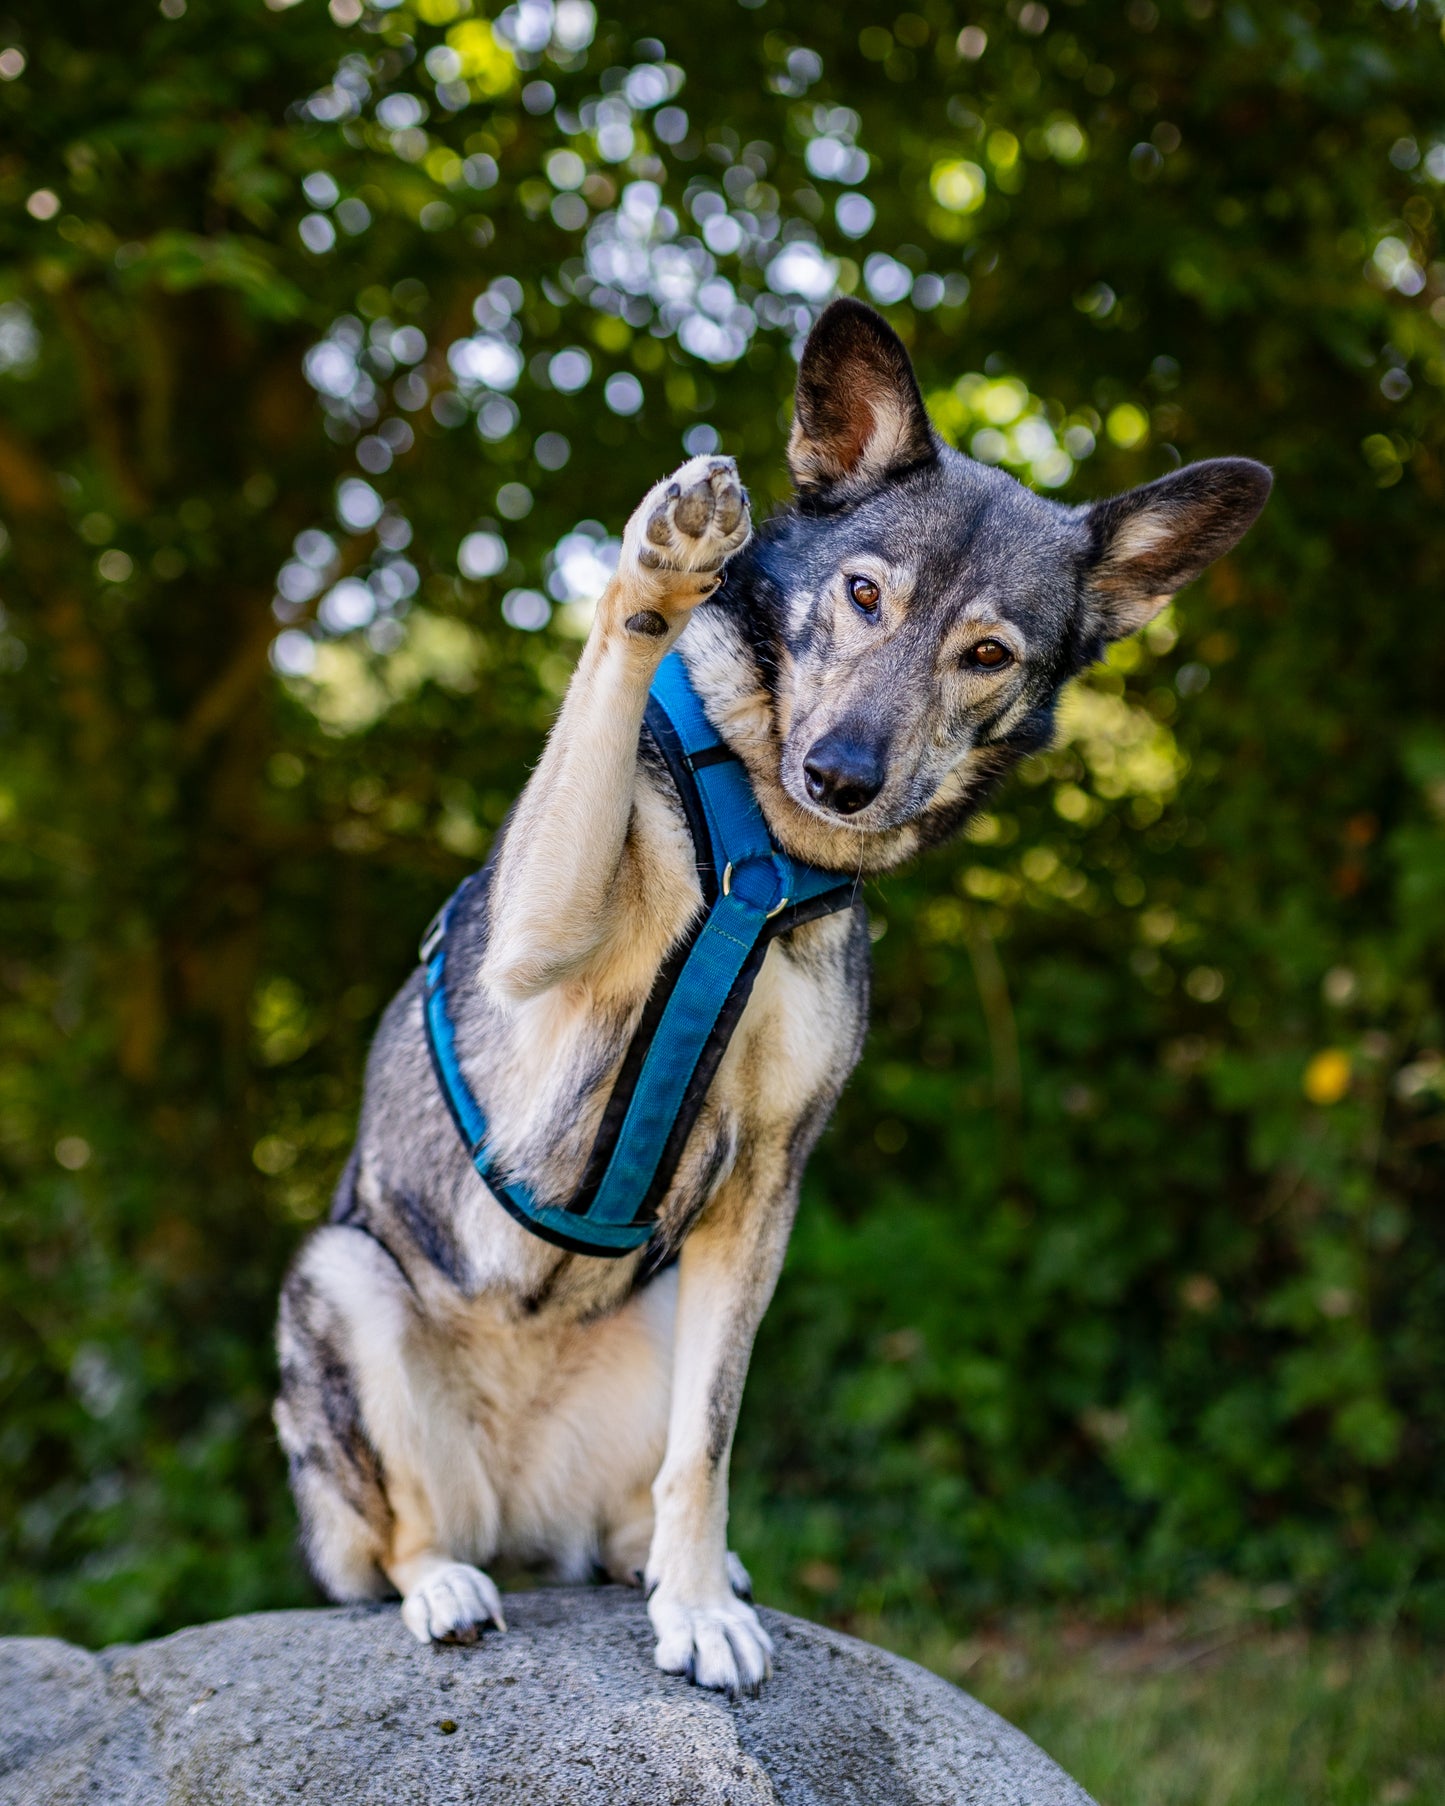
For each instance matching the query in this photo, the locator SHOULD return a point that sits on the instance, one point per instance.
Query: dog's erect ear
(1150, 542)
(858, 413)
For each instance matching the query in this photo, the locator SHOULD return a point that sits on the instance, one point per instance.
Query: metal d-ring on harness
(694, 1005)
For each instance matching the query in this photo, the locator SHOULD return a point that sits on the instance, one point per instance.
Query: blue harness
(751, 892)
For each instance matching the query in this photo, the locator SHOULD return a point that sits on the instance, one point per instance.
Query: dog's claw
(720, 1645)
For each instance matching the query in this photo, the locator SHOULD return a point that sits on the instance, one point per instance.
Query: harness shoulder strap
(751, 891)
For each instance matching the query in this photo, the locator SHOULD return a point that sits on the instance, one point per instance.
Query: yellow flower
(1327, 1077)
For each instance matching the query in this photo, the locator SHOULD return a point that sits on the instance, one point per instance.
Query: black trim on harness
(680, 767)
(665, 738)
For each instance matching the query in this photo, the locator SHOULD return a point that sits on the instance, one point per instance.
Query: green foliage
(1122, 1265)
(1217, 1713)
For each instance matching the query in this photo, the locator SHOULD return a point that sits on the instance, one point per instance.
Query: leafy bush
(335, 345)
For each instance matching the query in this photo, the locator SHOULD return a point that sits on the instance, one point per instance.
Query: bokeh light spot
(1127, 426)
(481, 555)
(623, 393)
(855, 214)
(358, 506)
(528, 609)
(569, 370)
(958, 185)
(552, 451)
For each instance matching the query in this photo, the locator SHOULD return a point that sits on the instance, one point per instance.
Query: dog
(455, 1390)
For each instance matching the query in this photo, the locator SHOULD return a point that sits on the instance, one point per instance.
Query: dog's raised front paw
(452, 1605)
(718, 1644)
(691, 523)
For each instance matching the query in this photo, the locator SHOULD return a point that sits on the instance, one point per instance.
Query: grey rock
(565, 1709)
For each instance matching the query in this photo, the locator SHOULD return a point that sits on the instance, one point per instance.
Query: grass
(1181, 1714)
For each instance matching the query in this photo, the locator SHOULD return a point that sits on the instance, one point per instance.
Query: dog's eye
(865, 594)
(988, 655)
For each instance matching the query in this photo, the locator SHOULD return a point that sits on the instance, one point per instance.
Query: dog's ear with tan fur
(858, 415)
(1150, 542)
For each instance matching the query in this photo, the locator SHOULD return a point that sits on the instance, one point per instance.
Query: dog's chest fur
(543, 1070)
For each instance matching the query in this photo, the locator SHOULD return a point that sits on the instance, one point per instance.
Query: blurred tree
(335, 346)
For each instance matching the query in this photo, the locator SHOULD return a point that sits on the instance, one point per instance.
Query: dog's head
(924, 610)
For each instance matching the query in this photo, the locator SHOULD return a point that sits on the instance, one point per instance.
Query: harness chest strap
(751, 892)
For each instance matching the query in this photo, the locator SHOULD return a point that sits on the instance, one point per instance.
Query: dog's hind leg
(389, 1484)
(336, 1470)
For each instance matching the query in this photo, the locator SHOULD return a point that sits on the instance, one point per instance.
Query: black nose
(843, 772)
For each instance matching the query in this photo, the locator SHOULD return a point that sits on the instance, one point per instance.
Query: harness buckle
(778, 907)
(435, 934)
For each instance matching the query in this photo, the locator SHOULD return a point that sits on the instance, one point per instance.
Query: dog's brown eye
(865, 594)
(989, 655)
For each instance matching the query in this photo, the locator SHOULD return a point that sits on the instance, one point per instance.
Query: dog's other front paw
(718, 1643)
(452, 1605)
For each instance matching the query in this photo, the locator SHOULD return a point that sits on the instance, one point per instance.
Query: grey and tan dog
(455, 1390)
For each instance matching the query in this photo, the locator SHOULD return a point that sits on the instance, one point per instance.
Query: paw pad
(696, 520)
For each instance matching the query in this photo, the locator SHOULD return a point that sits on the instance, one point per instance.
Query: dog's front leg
(728, 1268)
(557, 875)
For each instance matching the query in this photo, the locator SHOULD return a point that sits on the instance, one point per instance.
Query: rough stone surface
(566, 1709)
